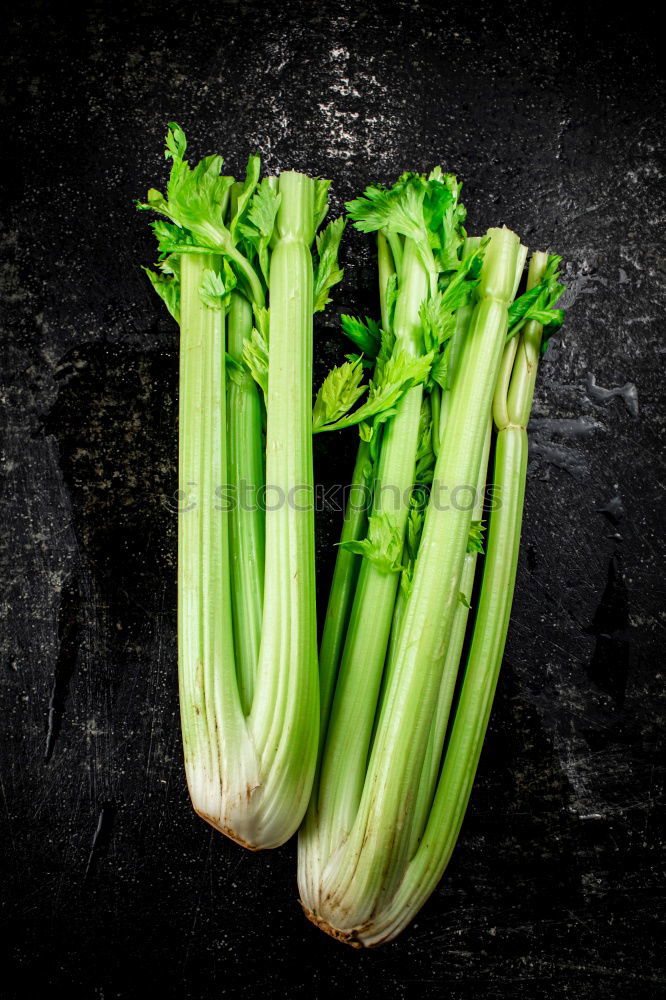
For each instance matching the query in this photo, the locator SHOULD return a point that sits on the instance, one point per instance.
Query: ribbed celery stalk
(359, 678)
(211, 714)
(449, 674)
(340, 601)
(355, 526)
(343, 584)
(440, 399)
(347, 563)
(284, 720)
(511, 407)
(245, 419)
(450, 669)
(365, 868)
(246, 520)
(247, 625)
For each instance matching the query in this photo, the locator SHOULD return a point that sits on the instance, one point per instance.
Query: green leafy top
(418, 504)
(320, 200)
(242, 195)
(382, 544)
(366, 334)
(217, 286)
(538, 304)
(438, 313)
(425, 456)
(420, 207)
(166, 282)
(255, 356)
(427, 210)
(196, 198)
(475, 537)
(258, 226)
(206, 212)
(196, 203)
(327, 272)
(342, 389)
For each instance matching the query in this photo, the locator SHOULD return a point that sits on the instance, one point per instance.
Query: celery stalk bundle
(383, 740)
(455, 350)
(237, 272)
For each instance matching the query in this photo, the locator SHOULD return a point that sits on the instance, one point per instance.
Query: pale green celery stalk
(344, 580)
(463, 317)
(218, 753)
(386, 268)
(500, 414)
(359, 678)
(449, 671)
(341, 597)
(246, 519)
(433, 758)
(355, 524)
(249, 727)
(396, 243)
(284, 720)
(367, 868)
(512, 405)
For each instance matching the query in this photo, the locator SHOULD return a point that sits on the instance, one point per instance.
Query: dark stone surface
(112, 888)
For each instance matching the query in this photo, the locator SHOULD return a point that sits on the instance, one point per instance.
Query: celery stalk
(450, 668)
(345, 574)
(343, 584)
(359, 678)
(366, 864)
(427, 864)
(340, 602)
(450, 671)
(245, 419)
(284, 718)
(209, 695)
(246, 520)
(247, 623)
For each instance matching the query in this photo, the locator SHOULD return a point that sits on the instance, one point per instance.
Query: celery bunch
(384, 735)
(238, 271)
(454, 349)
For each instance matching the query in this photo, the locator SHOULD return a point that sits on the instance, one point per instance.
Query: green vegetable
(383, 820)
(511, 408)
(441, 417)
(237, 272)
(394, 402)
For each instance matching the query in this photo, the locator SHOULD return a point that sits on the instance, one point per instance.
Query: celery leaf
(538, 304)
(167, 286)
(475, 537)
(366, 334)
(327, 272)
(259, 224)
(340, 390)
(382, 545)
(216, 288)
(255, 356)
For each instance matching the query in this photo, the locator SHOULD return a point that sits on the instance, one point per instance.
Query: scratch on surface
(69, 635)
(101, 835)
(9, 815)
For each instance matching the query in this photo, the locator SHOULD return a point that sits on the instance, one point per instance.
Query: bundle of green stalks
(380, 740)
(403, 717)
(239, 273)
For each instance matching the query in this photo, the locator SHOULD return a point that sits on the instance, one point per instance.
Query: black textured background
(553, 117)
